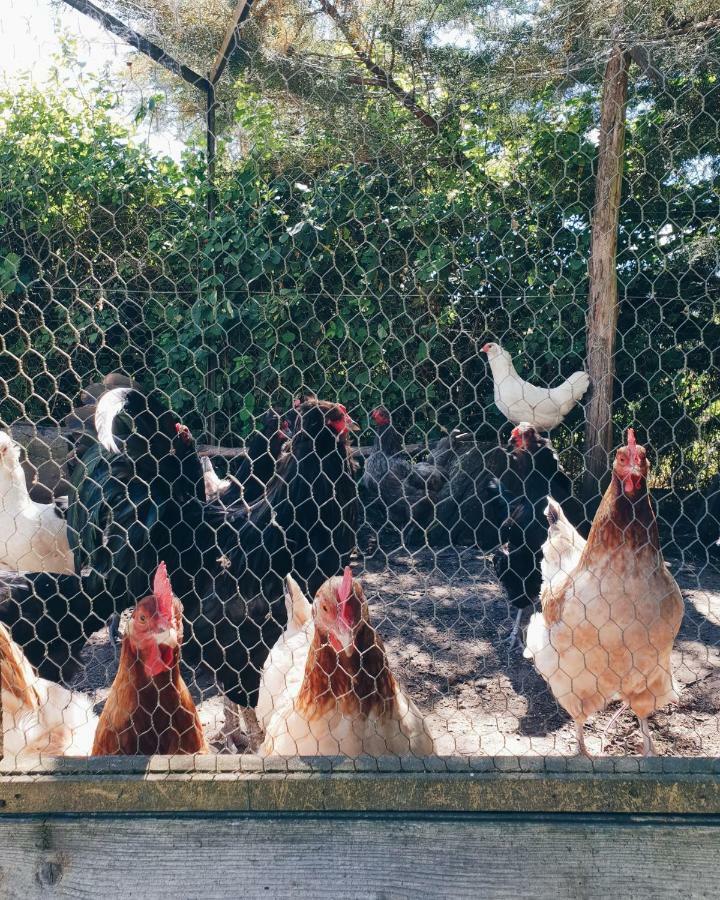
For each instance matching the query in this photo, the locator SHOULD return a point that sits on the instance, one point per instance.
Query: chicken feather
(519, 401)
(607, 626)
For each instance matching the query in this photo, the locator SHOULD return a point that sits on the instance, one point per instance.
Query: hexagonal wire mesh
(395, 243)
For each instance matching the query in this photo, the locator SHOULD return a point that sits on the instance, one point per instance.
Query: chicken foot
(512, 638)
(648, 746)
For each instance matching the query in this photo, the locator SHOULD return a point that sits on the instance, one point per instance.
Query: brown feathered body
(607, 628)
(39, 718)
(347, 702)
(146, 715)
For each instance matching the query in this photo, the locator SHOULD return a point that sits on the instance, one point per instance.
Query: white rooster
(33, 536)
(520, 401)
(39, 717)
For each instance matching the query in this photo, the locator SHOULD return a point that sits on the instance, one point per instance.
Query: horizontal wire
(332, 295)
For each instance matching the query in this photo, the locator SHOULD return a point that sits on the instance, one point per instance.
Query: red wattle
(335, 643)
(157, 660)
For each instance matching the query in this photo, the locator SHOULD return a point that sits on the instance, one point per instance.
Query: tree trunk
(603, 297)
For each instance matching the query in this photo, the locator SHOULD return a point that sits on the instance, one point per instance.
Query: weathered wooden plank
(220, 787)
(377, 857)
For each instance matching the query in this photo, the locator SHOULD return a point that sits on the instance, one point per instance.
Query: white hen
(519, 401)
(33, 536)
(285, 666)
(40, 718)
(562, 549)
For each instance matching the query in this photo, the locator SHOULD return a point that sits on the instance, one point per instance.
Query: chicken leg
(648, 746)
(580, 732)
(512, 638)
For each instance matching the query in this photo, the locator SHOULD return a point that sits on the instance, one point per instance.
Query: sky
(31, 36)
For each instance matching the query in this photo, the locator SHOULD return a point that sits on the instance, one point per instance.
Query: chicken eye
(143, 619)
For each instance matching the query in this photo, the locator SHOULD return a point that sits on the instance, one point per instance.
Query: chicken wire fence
(309, 435)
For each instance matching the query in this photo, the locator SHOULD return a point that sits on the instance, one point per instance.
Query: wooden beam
(230, 41)
(205, 784)
(603, 294)
(130, 36)
(303, 856)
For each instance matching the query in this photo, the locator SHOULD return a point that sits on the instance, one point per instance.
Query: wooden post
(603, 294)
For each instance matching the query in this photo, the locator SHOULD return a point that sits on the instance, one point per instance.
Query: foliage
(363, 261)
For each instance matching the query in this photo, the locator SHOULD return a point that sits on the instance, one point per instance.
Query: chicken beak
(633, 479)
(341, 637)
(167, 638)
(351, 424)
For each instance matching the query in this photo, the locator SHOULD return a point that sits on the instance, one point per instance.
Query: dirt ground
(445, 622)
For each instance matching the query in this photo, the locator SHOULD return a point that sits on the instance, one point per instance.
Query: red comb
(345, 613)
(162, 590)
(346, 586)
(632, 445)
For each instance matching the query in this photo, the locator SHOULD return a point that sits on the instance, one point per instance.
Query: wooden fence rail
(493, 828)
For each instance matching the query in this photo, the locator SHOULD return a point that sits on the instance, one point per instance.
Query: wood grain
(355, 857)
(602, 273)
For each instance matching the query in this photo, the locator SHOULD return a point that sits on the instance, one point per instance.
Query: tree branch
(383, 77)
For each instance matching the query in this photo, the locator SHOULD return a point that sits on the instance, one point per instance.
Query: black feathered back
(51, 617)
(256, 467)
(135, 495)
(472, 505)
(304, 525)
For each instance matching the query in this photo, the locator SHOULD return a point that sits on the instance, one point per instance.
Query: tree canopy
(357, 250)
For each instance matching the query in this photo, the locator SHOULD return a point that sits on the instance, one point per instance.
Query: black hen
(250, 472)
(395, 489)
(304, 524)
(137, 474)
(533, 473)
(471, 506)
